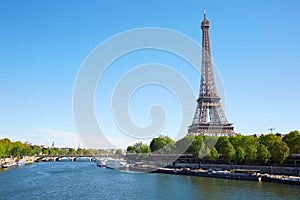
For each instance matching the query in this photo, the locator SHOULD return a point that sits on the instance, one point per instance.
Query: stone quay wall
(292, 171)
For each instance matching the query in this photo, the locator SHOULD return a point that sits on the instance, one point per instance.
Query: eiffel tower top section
(208, 85)
(205, 22)
(209, 118)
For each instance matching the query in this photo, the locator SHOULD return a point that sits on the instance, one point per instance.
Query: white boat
(7, 165)
(117, 164)
(101, 162)
(20, 163)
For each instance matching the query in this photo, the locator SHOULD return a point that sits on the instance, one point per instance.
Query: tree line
(240, 149)
(19, 149)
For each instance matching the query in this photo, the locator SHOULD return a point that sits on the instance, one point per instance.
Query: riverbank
(11, 162)
(278, 170)
(237, 174)
(234, 173)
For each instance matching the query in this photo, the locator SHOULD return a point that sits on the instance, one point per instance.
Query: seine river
(84, 180)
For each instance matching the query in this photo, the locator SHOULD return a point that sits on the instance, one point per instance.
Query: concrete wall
(25, 159)
(295, 171)
(263, 169)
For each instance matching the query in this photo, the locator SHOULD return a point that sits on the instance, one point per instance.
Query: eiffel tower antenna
(209, 118)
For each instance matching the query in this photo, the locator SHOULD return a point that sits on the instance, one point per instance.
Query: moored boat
(20, 163)
(291, 180)
(117, 164)
(7, 165)
(141, 167)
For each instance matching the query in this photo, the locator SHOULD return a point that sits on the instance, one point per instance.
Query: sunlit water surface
(84, 180)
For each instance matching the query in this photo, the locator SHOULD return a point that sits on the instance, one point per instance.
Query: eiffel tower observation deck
(209, 118)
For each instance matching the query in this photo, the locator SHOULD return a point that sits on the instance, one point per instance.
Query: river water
(84, 180)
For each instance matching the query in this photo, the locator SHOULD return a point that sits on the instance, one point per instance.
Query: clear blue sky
(255, 45)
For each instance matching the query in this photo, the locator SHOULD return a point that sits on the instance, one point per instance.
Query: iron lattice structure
(209, 118)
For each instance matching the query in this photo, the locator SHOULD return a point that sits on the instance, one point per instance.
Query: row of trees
(19, 149)
(293, 141)
(238, 149)
(64, 151)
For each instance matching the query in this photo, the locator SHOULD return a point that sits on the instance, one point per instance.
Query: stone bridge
(61, 157)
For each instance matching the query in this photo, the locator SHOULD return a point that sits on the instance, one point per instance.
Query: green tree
(279, 151)
(35, 150)
(54, 151)
(5, 147)
(237, 141)
(141, 148)
(25, 149)
(263, 154)
(45, 151)
(130, 149)
(251, 153)
(72, 151)
(160, 144)
(183, 144)
(119, 152)
(79, 151)
(16, 150)
(213, 155)
(268, 140)
(63, 151)
(249, 144)
(2, 150)
(225, 148)
(292, 139)
(86, 152)
(240, 154)
(197, 147)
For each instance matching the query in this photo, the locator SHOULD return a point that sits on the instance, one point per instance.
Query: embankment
(291, 171)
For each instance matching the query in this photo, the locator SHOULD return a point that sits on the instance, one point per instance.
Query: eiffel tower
(209, 118)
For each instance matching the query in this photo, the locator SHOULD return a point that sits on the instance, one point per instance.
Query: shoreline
(210, 174)
(14, 162)
(235, 174)
(282, 179)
